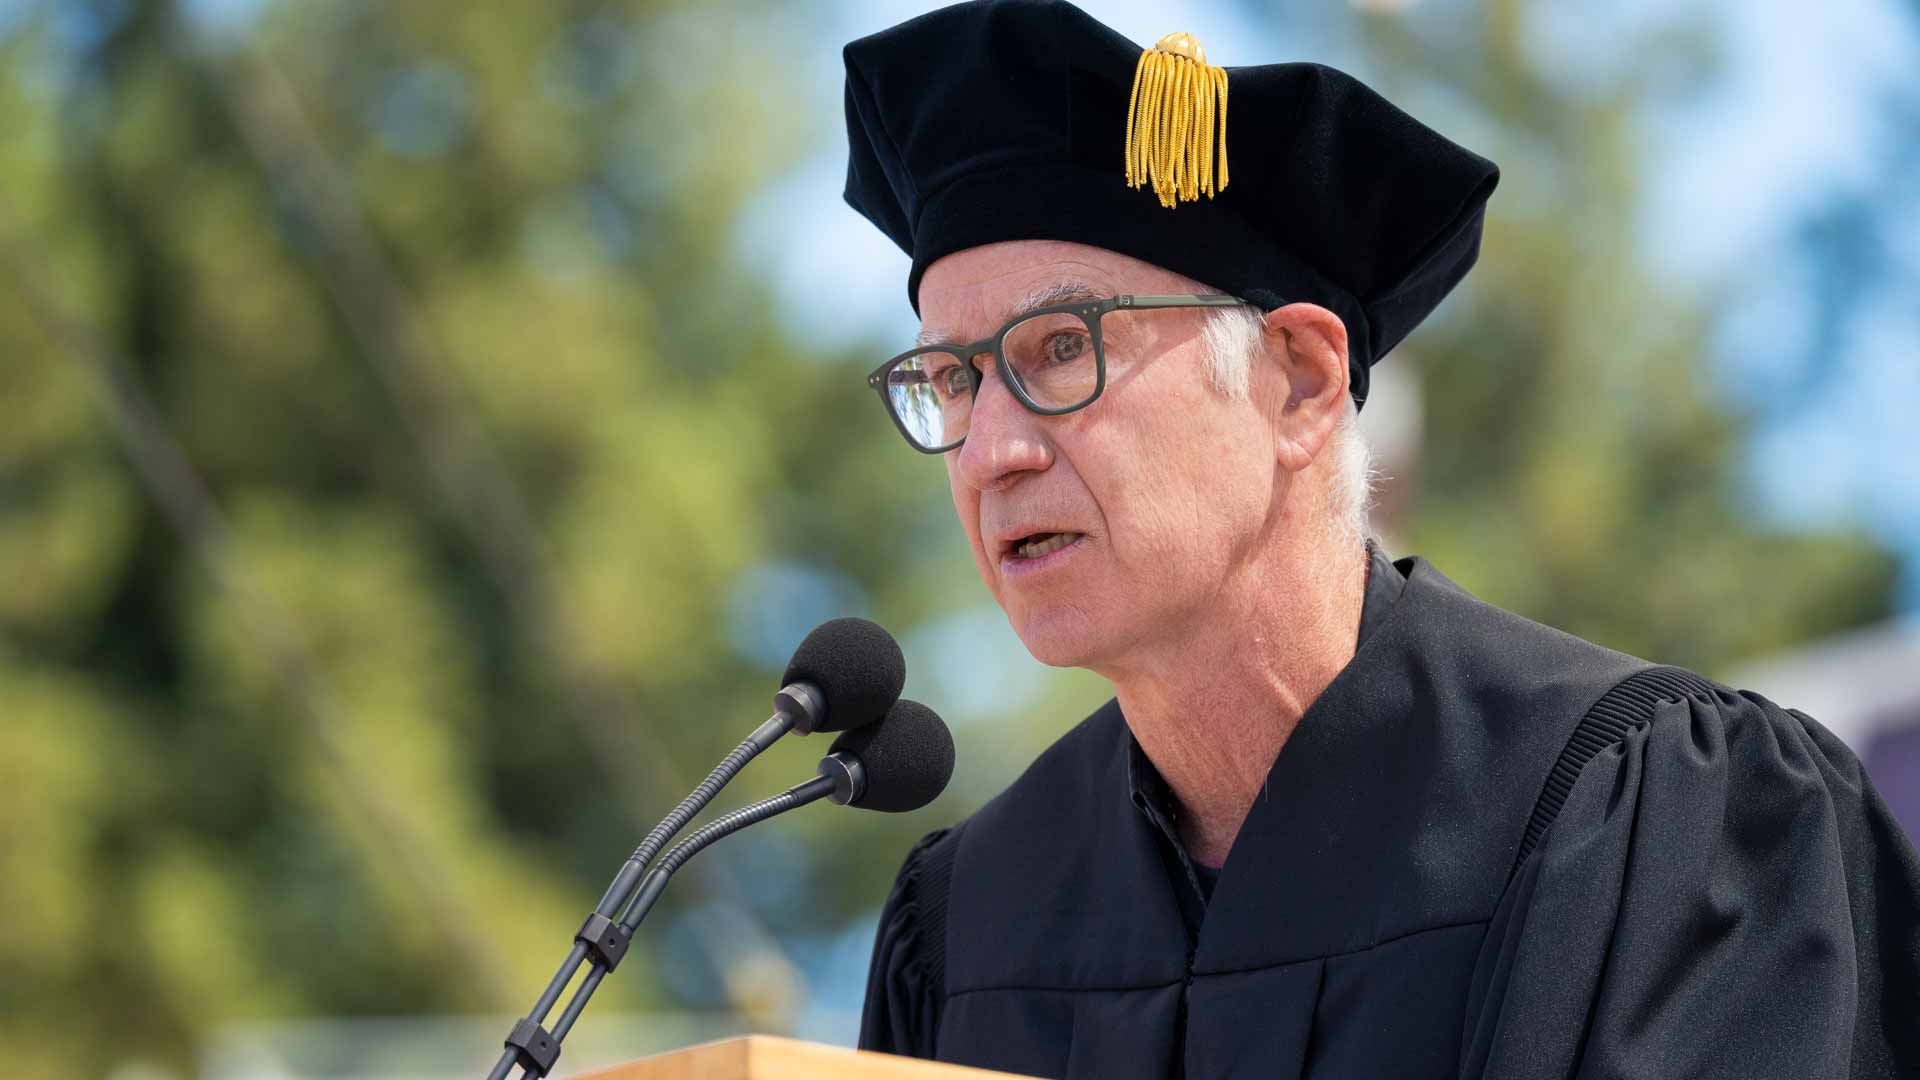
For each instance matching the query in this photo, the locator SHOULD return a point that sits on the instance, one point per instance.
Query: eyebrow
(1063, 292)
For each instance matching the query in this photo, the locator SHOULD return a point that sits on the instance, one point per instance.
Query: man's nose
(1004, 439)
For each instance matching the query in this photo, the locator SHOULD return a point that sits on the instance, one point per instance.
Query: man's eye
(1065, 347)
(952, 382)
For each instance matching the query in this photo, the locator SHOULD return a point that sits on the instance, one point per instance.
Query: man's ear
(1308, 346)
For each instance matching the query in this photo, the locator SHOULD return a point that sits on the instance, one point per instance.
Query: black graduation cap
(1028, 119)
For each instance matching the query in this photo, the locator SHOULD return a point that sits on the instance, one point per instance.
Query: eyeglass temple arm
(1220, 300)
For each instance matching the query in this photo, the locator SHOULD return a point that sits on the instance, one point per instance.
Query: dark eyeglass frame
(1090, 313)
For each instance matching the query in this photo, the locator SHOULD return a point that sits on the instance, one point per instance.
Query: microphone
(900, 764)
(844, 675)
(851, 664)
(895, 767)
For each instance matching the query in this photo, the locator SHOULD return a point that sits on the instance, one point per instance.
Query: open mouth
(1042, 544)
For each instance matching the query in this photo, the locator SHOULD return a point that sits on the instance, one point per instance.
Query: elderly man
(1340, 819)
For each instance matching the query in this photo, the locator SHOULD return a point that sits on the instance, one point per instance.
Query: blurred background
(427, 428)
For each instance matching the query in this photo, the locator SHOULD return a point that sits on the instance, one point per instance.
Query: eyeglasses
(1052, 358)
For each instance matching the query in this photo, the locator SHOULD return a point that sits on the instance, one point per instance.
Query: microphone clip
(605, 939)
(802, 704)
(848, 775)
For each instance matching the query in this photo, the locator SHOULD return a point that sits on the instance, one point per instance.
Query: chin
(1062, 636)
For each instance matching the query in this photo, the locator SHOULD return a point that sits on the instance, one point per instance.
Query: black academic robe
(1489, 850)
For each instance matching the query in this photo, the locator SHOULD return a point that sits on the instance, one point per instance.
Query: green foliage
(1577, 466)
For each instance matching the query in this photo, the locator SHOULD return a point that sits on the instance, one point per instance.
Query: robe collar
(1396, 807)
(1149, 790)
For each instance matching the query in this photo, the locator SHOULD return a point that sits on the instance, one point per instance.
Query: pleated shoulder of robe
(1488, 850)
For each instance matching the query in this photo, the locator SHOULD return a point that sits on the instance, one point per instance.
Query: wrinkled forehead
(970, 294)
(1060, 292)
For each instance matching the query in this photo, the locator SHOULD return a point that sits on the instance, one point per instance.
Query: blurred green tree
(462, 422)
(1579, 466)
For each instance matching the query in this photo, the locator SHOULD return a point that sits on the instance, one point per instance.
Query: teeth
(1034, 549)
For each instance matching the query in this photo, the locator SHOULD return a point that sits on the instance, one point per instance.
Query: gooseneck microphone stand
(604, 940)
(656, 880)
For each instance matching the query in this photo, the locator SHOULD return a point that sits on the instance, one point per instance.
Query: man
(1341, 819)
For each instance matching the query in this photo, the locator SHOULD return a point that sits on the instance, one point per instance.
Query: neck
(1213, 705)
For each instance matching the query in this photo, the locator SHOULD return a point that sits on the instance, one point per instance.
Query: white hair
(1234, 338)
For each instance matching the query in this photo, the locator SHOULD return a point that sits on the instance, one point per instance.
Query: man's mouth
(1040, 545)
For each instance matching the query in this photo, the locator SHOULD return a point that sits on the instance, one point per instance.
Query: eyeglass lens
(1052, 356)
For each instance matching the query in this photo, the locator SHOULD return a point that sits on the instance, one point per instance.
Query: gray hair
(1234, 338)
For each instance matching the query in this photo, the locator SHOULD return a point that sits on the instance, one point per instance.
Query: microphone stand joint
(605, 939)
(533, 1047)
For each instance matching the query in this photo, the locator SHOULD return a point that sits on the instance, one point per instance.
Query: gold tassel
(1179, 103)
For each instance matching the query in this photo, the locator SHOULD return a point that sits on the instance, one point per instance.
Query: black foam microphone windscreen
(907, 758)
(857, 667)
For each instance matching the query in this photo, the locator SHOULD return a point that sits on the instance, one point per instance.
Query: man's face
(1137, 511)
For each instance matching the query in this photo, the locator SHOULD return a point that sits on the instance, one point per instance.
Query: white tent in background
(1864, 686)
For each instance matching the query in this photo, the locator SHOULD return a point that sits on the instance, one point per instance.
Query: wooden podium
(763, 1057)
